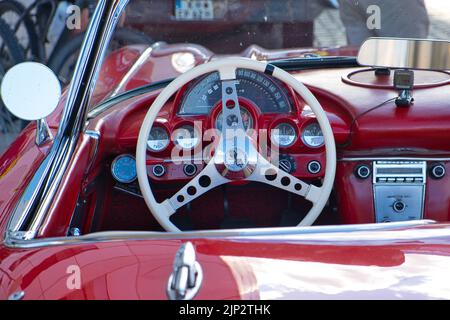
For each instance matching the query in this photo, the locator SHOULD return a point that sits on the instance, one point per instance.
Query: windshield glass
(160, 39)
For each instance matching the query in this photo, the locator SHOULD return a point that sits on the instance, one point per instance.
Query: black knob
(437, 171)
(399, 206)
(190, 169)
(159, 170)
(314, 167)
(287, 164)
(362, 171)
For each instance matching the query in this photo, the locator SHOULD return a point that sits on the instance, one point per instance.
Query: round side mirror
(30, 91)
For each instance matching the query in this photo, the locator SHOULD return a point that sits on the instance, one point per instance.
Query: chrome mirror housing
(31, 91)
(405, 54)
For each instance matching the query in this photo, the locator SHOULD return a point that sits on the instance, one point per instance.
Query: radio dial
(363, 171)
(399, 206)
(437, 171)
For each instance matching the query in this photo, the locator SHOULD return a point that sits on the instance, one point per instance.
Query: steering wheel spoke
(206, 180)
(266, 172)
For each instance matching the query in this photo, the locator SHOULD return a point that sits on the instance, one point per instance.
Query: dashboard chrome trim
(340, 233)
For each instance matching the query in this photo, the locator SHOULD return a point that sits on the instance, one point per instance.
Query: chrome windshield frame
(37, 198)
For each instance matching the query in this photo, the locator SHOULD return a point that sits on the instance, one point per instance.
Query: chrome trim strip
(40, 193)
(43, 133)
(95, 135)
(392, 159)
(337, 233)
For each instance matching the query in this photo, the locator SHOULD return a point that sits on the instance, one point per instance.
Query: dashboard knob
(159, 170)
(287, 164)
(399, 206)
(190, 169)
(314, 167)
(362, 171)
(437, 171)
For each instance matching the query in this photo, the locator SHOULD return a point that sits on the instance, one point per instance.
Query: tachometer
(266, 93)
(186, 137)
(283, 135)
(158, 139)
(247, 120)
(312, 136)
(123, 168)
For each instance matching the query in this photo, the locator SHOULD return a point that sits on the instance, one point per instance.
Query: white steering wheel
(235, 157)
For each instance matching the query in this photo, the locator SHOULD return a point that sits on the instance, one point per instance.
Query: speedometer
(283, 135)
(186, 137)
(312, 136)
(263, 91)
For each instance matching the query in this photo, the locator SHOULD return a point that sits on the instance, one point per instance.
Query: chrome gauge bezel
(196, 132)
(251, 124)
(114, 163)
(274, 141)
(167, 140)
(304, 140)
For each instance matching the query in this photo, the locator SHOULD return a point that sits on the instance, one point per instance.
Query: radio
(399, 190)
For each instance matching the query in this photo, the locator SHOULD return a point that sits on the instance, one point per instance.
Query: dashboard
(387, 137)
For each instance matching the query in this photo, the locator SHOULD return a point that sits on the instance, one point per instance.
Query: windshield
(160, 39)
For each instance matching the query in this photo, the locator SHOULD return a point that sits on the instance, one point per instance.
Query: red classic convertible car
(169, 172)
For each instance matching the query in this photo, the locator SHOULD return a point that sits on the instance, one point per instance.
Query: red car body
(358, 260)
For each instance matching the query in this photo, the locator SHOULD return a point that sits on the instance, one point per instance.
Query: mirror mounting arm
(43, 133)
(405, 99)
(404, 81)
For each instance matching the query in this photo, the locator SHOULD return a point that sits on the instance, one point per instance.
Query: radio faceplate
(399, 190)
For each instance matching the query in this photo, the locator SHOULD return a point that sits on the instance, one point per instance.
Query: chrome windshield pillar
(38, 196)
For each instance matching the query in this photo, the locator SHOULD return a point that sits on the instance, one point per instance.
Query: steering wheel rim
(227, 69)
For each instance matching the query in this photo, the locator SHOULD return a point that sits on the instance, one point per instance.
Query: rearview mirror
(30, 91)
(405, 54)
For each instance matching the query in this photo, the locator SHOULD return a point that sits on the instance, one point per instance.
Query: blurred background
(52, 31)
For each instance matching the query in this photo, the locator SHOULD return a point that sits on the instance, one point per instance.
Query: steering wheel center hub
(236, 159)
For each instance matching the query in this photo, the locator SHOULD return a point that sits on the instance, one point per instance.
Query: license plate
(194, 10)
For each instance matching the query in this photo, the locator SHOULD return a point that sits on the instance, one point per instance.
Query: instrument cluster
(268, 108)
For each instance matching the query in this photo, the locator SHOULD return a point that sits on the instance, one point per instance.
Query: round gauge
(158, 139)
(247, 120)
(312, 136)
(123, 168)
(284, 135)
(186, 137)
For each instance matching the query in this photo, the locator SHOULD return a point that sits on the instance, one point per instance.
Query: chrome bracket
(43, 133)
(22, 235)
(187, 276)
